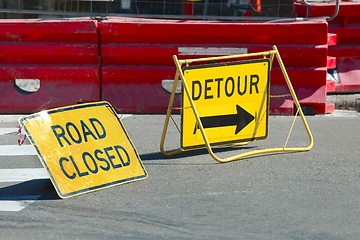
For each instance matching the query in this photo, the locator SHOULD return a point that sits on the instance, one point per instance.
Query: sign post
(83, 148)
(227, 103)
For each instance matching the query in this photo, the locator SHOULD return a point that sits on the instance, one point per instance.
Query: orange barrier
(136, 57)
(46, 64)
(346, 27)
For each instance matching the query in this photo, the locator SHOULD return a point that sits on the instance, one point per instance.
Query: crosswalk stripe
(22, 174)
(9, 118)
(4, 131)
(17, 204)
(16, 150)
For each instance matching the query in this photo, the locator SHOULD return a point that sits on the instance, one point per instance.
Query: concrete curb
(345, 101)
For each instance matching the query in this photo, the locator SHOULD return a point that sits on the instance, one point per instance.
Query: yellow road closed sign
(231, 100)
(83, 147)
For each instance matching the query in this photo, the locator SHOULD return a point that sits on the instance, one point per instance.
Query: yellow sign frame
(271, 54)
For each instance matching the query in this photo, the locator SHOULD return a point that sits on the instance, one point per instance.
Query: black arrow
(240, 119)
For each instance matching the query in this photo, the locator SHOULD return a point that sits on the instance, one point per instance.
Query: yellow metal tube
(179, 74)
(168, 114)
(265, 53)
(296, 101)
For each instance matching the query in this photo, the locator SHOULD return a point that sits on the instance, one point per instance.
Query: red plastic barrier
(137, 56)
(127, 59)
(62, 54)
(346, 26)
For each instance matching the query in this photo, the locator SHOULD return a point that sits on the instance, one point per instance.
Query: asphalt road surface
(309, 195)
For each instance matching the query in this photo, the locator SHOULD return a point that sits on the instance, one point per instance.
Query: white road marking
(16, 204)
(5, 131)
(123, 116)
(22, 174)
(15, 118)
(10, 118)
(16, 150)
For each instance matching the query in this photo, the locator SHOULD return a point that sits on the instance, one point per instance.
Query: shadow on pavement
(191, 153)
(27, 190)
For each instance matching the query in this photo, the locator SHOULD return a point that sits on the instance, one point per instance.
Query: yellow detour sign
(83, 147)
(231, 100)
